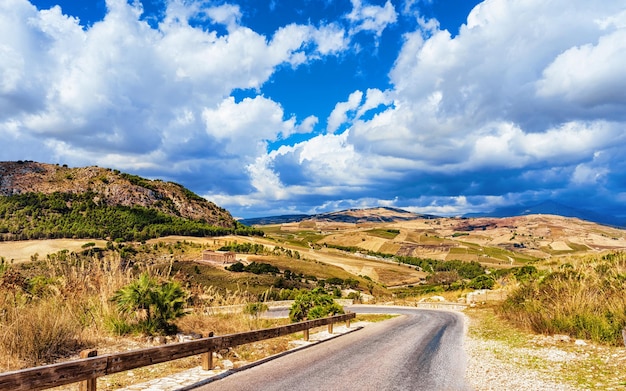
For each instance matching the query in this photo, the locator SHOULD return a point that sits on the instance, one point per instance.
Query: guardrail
(433, 305)
(87, 370)
(237, 308)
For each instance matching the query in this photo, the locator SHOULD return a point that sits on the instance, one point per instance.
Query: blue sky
(306, 106)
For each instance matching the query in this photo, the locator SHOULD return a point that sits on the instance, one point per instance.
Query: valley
(570, 269)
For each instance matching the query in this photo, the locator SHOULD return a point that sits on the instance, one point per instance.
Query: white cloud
(372, 18)
(122, 88)
(245, 127)
(265, 180)
(373, 99)
(339, 115)
(330, 39)
(590, 74)
(584, 174)
(356, 107)
(226, 14)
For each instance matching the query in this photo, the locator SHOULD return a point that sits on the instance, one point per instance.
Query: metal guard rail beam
(54, 375)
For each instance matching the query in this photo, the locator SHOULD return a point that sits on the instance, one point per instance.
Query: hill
(491, 241)
(350, 216)
(552, 208)
(39, 200)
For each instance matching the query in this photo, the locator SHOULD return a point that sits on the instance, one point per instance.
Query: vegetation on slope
(41, 201)
(68, 215)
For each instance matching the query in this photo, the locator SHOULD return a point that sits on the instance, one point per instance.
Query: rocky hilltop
(112, 188)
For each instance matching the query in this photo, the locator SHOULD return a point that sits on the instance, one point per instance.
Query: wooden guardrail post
(89, 384)
(207, 361)
(330, 327)
(306, 334)
(348, 323)
(207, 358)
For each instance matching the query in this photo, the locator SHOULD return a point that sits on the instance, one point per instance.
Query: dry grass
(583, 298)
(23, 250)
(52, 309)
(54, 314)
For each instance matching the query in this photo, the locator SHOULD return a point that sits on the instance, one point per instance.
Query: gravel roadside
(501, 357)
(486, 372)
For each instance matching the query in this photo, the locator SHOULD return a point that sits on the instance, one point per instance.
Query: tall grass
(53, 308)
(40, 333)
(60, 309)
(585, 299)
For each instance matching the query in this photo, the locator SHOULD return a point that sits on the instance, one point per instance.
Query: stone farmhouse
(220, 257)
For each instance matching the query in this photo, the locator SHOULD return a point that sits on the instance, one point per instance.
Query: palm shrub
(313, 305)
(153, 305)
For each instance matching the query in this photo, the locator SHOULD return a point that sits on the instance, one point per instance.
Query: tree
(137, 296)
(444, 278)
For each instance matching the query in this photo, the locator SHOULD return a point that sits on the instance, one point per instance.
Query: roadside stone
(562, 338)
(180, 337)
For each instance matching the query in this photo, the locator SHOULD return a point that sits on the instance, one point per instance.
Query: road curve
(421, 350)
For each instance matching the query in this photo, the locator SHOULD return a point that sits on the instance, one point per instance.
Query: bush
(255, 309)
(236, 267)
(154, 306)
(482, 282)
(313, 305)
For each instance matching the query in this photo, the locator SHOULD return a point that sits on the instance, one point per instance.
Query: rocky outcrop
(111, 187)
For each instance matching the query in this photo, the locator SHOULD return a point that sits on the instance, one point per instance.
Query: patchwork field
(494, 242)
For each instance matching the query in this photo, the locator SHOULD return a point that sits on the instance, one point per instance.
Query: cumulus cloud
(371, 18)
(339, 115)
(526, 91)
(526, 101)
(123, 93)
(588, 75)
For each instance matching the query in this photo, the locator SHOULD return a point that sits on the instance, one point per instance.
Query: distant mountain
(270, 220)
(39, 200)
(353, 216)
(552, 208)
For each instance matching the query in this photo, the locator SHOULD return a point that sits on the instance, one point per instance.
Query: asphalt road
(421, 350)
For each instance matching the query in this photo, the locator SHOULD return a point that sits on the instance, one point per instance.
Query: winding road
(420, 350)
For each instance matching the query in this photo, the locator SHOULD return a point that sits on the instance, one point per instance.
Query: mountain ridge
(380, 214)
(553, 208)
(390, 214)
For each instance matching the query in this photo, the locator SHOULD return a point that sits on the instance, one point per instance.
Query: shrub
(313, 305)
(236, 267)
(154, 306)
(254, 309)
(482, 282)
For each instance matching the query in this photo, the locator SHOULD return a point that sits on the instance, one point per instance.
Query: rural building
(219, 256)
